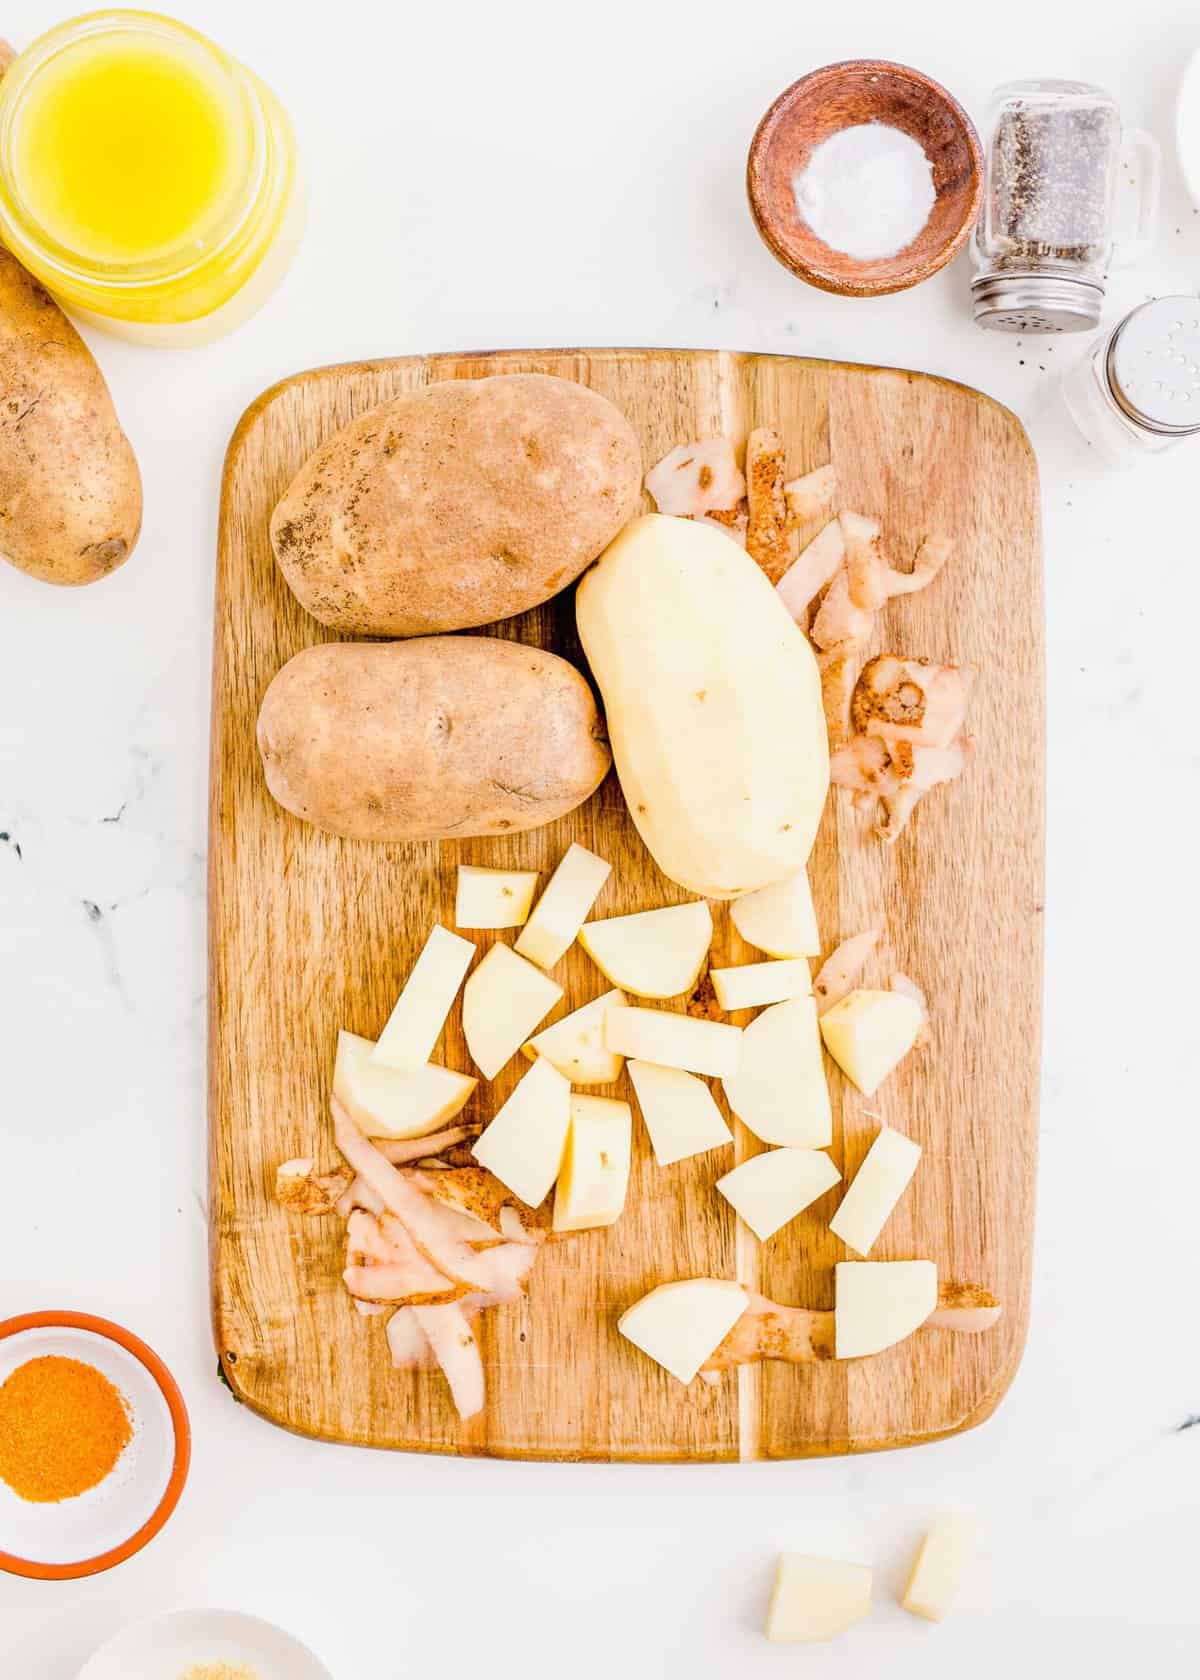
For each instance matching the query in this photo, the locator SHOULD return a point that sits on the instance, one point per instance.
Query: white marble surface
(483, 176)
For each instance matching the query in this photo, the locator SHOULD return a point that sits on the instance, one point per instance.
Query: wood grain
(309, 933)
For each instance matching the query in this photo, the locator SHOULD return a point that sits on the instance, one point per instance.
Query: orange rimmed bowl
(841, 96)
(103, 1527)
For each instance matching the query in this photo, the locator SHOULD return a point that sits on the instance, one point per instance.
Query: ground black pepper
(1050, 185)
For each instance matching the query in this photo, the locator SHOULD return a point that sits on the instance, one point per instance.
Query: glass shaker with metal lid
(1045, 235)
(1138, 391)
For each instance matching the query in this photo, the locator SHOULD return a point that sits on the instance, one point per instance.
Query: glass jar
(1045, 235)
(1137, 392)
(149, 181)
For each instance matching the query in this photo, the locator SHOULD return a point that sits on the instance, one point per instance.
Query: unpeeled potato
(70, 490)
(466, 502)
(437, 737)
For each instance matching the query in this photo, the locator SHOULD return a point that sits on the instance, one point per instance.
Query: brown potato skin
(441, 737)
(70, 490)
(457, 505)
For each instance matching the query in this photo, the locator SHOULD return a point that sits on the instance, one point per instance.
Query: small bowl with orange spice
(94, 1445)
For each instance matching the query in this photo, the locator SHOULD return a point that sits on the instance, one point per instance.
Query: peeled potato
(713, 699)
(70, 490)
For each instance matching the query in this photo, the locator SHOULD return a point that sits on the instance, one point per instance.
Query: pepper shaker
(1045, 235)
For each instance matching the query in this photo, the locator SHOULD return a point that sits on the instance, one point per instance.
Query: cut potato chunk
(815, 1598)
(679, 1324)
(524, 1144)
(879, 1302)
(595, 1170)
(869, 1033)
(677, 1041)
(412, 1029)
(779, 1088)
(654, 954)
(770, 1189)
(680, 1112)
(503, 1002)
(386, 1104)
(878, 1185)
(939, 1565)
(780, 919)
(576, 1043)
(493, 898)
(563, 907)
(755, 984)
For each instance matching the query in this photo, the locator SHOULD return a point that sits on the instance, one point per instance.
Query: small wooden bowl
(839, 96)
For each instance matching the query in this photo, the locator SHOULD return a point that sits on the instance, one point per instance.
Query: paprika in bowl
(94, 1445)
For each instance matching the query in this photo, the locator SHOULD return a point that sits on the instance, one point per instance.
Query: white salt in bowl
(841, 96)
(123, 1513)
(165, 1647)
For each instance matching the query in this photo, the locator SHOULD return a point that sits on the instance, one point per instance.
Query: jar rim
(1061, 87)
(188, 256)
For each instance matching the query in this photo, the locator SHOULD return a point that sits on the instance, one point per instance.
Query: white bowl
(115, 1519)
(167, 1646)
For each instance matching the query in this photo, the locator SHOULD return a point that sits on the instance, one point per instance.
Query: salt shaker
(1045, 235)
(1137, 391)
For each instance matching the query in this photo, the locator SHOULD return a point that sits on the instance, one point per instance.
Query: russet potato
(505, 999)
(524, 1143)
(70, 490)
(878, 1303)
(594, 1179)
(767, 1191)
(779, 919)
(778, 1088)
(679, 1325)
(386, 1104)
(653, 953)
(878, 1185)
(436, 738)
(457, 505)
(426, 999)
(816, 1599)
(753, 985)
(675, 1041)
(868, 1034)
(681, 1115)
(564, 906)
(575, 1045)
(493, 898)
(938, 1566)
(713, 700)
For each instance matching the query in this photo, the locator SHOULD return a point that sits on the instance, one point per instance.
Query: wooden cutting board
(309, 933)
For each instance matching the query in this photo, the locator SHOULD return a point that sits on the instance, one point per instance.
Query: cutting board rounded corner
(970, 393)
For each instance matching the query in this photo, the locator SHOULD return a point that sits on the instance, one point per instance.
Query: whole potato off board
(311, 933)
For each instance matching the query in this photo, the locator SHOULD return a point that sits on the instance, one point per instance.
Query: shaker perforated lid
(1036, 303)
(1153, 366)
